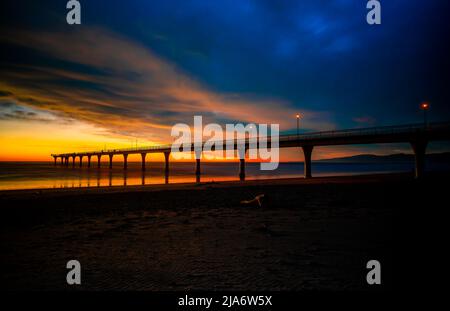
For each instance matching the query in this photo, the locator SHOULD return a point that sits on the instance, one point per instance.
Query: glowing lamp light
(425, 106)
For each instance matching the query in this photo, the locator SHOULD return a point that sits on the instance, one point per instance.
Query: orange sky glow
(41, 116)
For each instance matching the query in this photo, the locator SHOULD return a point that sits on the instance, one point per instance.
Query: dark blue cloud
(318, 55)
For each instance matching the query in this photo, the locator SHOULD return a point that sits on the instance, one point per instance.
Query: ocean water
(38, 175)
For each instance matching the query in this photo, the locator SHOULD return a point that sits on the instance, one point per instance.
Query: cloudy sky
(135, 68)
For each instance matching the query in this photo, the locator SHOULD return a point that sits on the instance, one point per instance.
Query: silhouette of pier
(417, 135)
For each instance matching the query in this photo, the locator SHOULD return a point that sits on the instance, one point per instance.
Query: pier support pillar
(81, 161)
(242, 154)
(143, 155)
(198, 156)
(419, 147)
(125, 161)
(66, 160)
(307, 151)
(62, 160)
(99, 159)
(197, 167)
(110, 160)
(73, 161)
(242, 169)
(166, 157)
(89, 161)
(54, 158)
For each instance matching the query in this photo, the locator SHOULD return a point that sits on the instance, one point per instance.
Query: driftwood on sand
(257, 201)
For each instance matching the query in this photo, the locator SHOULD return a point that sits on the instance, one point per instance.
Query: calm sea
(36, 175)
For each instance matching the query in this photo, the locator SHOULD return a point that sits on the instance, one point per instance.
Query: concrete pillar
(99, 159)
(242, 154)
(125, 161)
(89, 161)
(81, 161)
(66, 160)
(62, 160)
(242, 169)
(307, 151)
(110, 160)
(166, 156)
(143, 155)
(419, 147)
(198, 156)
(73, 161)
(54, 158)
(197, 167)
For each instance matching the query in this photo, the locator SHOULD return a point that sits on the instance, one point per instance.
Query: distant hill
(398, 157)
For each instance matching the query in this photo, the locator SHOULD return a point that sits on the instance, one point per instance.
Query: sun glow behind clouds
(35, 141)
(114, 91)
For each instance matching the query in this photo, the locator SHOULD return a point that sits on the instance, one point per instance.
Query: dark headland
(441, 157)
(309, 234)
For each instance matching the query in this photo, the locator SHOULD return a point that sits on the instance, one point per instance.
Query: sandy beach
(309, 234)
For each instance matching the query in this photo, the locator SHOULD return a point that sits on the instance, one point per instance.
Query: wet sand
(309, 234)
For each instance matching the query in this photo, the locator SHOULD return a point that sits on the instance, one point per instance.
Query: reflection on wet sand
(45, 175)
(113, 177)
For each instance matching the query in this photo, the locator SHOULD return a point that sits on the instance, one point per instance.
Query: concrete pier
(241, 169)
(143, 155)
(125, 161)
(419, 147)
(198, 156)
(307, 151)
(415, 134)
(110, 160)
(197, 167)
(166, 157)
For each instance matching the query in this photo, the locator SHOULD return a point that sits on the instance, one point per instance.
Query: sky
(133, 69)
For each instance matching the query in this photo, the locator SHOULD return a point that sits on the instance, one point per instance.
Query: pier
(417, 135)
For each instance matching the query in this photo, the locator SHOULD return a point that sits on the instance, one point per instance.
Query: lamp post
(425, 106)
(298, 122)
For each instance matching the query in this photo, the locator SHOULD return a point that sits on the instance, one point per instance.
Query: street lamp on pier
(425, 106)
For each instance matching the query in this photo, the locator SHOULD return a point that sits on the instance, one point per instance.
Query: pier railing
(381, 130)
